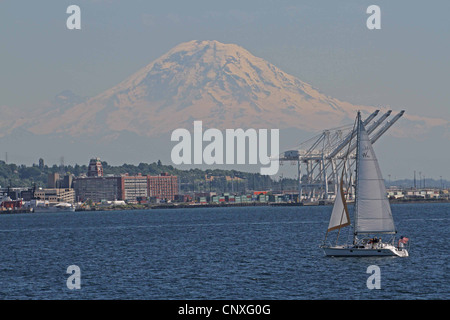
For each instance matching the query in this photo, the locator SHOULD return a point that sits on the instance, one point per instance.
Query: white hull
(350, 251)
(53, 209)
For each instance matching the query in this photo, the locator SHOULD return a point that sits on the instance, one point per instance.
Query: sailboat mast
(355, 211)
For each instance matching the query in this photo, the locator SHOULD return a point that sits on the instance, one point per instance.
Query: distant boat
(4, 198)
(372, 211)
(45, 206)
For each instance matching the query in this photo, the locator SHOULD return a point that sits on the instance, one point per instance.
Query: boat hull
(344, 251)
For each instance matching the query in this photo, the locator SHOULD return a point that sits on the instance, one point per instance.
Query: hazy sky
(405, 65)
(325, 43)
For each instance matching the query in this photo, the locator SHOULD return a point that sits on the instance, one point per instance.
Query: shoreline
(221, 205)
(280, 204)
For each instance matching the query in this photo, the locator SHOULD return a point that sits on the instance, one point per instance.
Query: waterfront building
(16, 193)
(133, 188)
(163, 186)
(395, 193)
(55, 195)
(97, 189)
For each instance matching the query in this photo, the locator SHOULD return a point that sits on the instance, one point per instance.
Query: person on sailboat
(401, 242)
(373, 242)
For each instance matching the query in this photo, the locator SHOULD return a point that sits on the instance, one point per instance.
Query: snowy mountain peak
(223, 85)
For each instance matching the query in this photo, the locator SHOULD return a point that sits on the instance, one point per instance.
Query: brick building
(128, 188)
(96, 187)
(163, 186)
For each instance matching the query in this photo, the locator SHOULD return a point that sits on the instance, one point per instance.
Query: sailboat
(372, 211)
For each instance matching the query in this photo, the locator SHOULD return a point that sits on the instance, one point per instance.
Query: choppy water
(216, 253)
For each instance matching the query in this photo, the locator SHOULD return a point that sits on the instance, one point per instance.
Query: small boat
(372, 212)
(46, 206)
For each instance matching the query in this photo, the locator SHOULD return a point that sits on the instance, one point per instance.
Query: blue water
(214, 253)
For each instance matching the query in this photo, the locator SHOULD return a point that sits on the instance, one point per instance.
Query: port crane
(321, 158)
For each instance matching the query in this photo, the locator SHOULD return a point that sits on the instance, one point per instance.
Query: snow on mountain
(223, 85)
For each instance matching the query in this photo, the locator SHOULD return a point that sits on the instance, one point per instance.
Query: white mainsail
(373, 212)
(339, 216)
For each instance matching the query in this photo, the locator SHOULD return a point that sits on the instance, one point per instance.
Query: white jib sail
(339, 216)
(373, 212)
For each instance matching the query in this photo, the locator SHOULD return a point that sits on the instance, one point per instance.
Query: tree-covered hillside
(190, 180)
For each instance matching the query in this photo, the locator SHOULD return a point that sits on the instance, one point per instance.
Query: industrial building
(98, 188)
(95, 187)
(55, 195)
(134, 188)
(127, 188)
